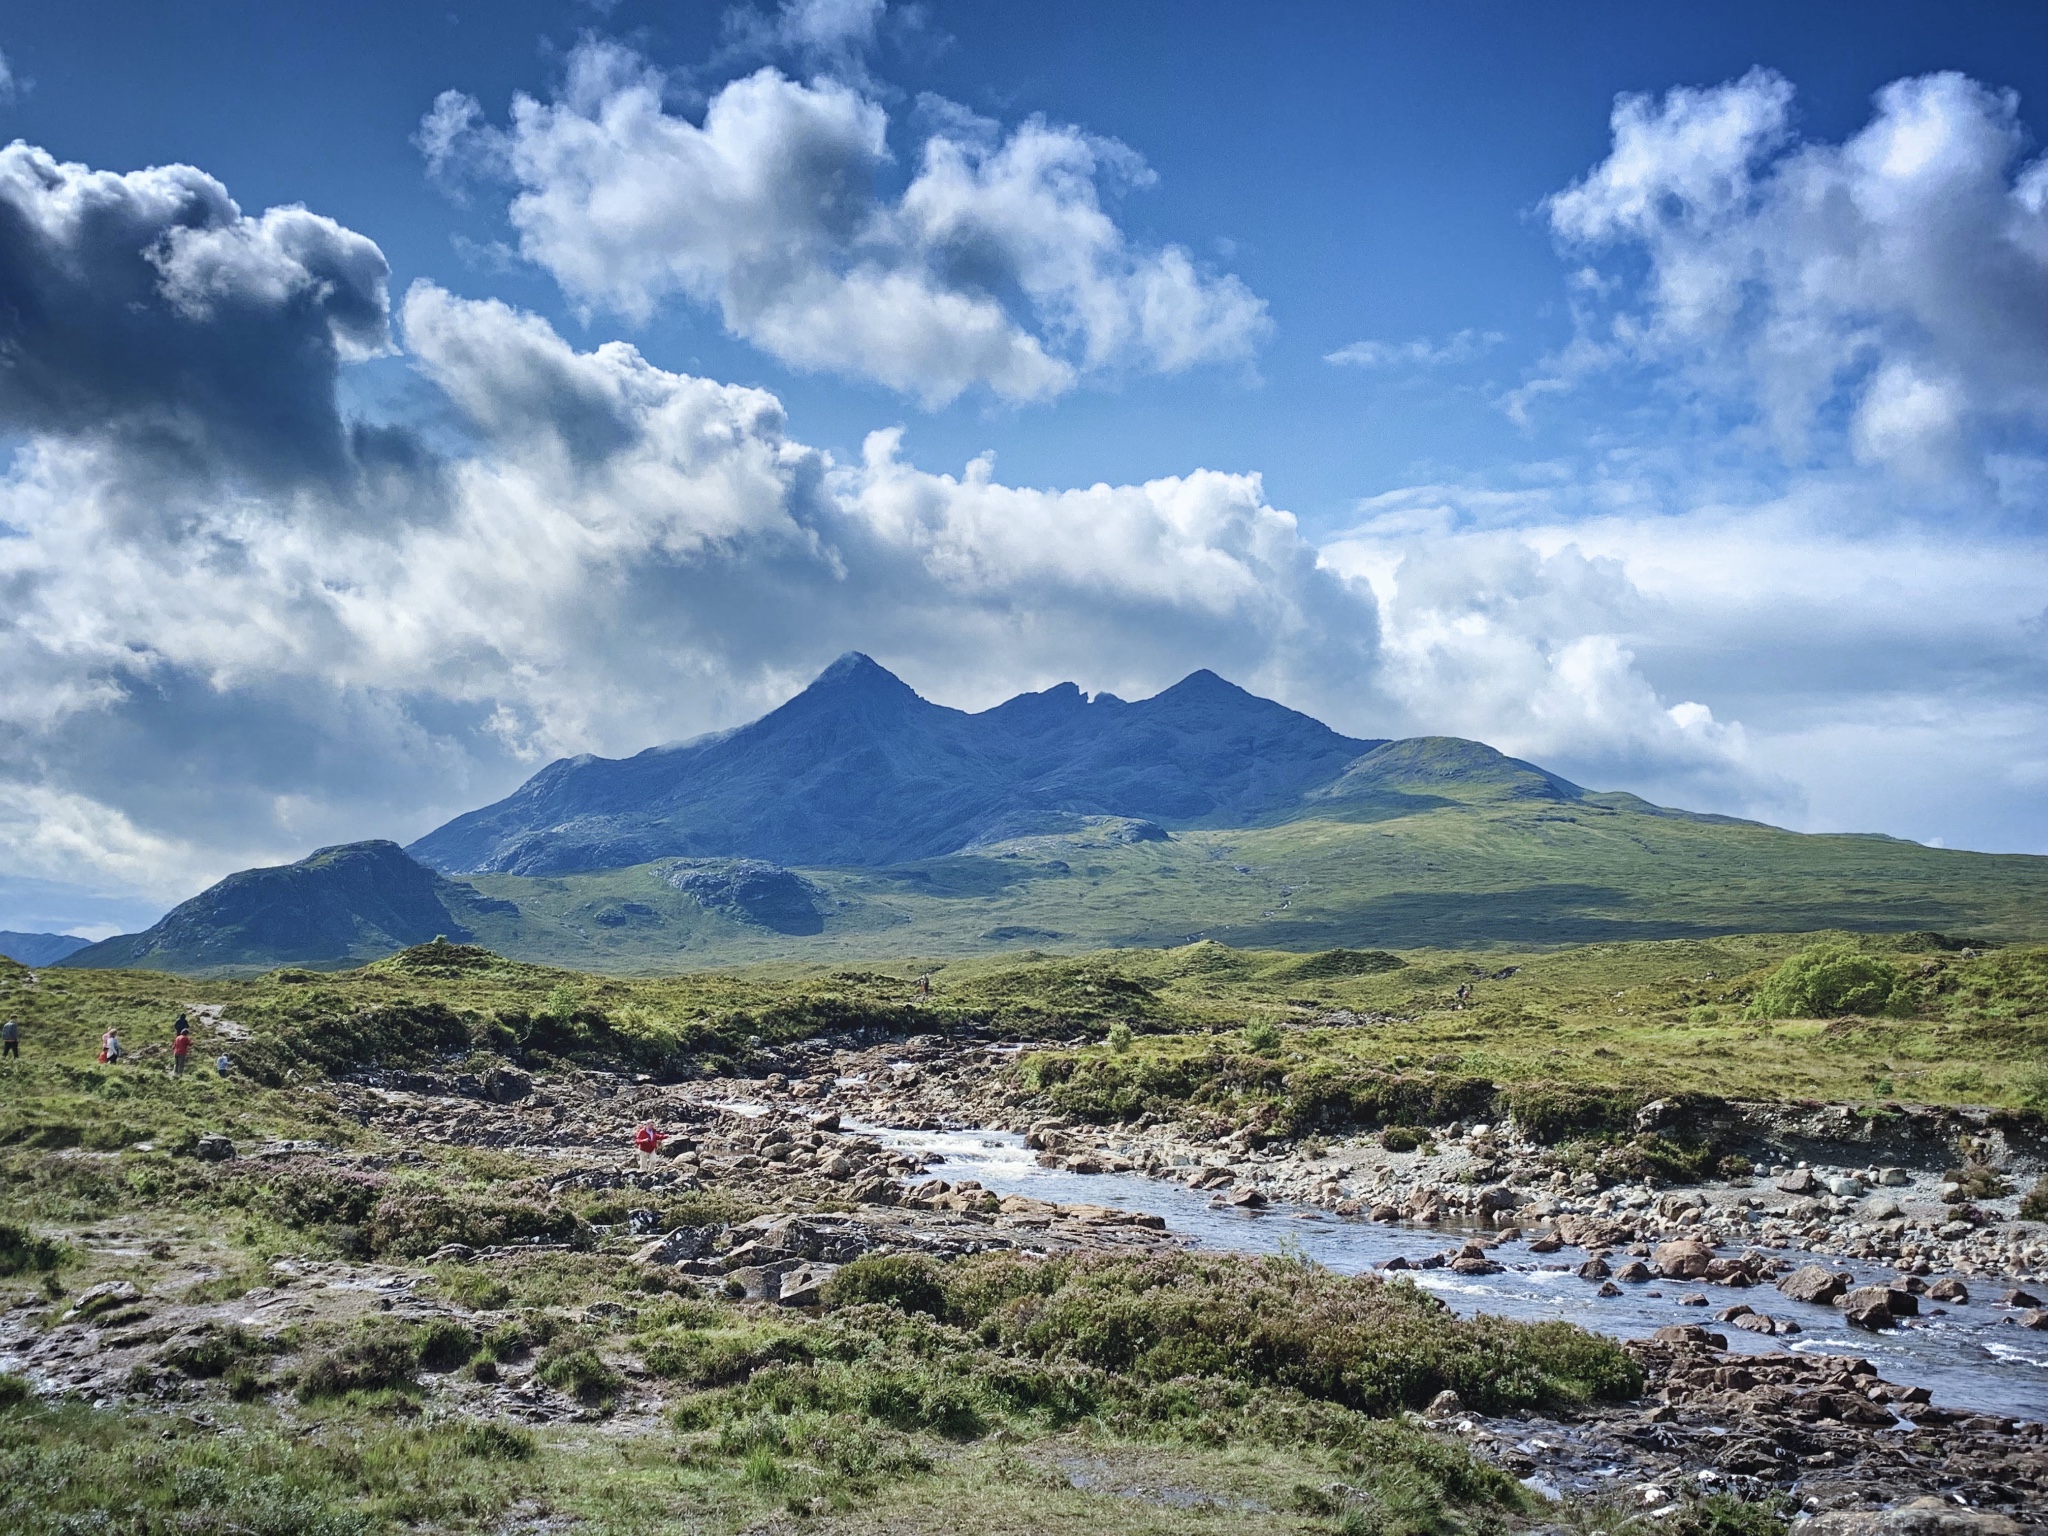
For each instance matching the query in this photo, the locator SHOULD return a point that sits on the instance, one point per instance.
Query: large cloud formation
(235, 622)
(227, 635)
(997, 265)
(1887, 295)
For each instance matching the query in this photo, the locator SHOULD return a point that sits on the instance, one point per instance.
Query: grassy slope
(1488, 873)
(1663, 1015)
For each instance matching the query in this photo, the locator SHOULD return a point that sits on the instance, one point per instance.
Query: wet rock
(1689, 1336)
(1608, 1288)
(2035, 1318)
(504, 1085)
(1635, 1272)
(1756, 1322)
(108, 1296)
(2019, 1298)
(1920, 1517)
(1903, 1302)
(1815, 1283)
(1385, 1212)
(1239, 1199)
(1694, 1300)
(825, 1123)
(1949, 1290)
(1594, 1269)
(1869, 1306)
(1685, 1259)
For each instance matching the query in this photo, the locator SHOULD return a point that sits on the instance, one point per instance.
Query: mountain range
(861, 819)
(39, 948)
(859, 771)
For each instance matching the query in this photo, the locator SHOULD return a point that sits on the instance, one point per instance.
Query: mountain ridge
(859, 770)
(348, 902)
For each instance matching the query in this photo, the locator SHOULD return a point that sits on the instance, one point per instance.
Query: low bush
(413, 1223)
(493, 1441)
(23, 1252)
(580, 1371)
(1552, 1112)
(376, 1359)
(1402, 1138)
(2034, 1204)
(908, 1282)
(1826, 982)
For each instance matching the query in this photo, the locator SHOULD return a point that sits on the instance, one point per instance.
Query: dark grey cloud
(147, 309)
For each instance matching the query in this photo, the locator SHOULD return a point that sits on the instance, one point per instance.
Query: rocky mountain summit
(858, 770)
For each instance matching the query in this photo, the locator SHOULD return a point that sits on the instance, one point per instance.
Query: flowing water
(1972, 1358)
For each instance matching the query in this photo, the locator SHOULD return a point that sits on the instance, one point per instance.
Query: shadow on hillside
(1566, 914)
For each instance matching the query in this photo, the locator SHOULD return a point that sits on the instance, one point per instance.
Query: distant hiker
(1464, 994)
(222, 1066)
(110, 1047)
(10, 1039)
(649, 1140)
(181, 1047)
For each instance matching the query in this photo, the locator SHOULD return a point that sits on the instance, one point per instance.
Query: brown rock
(1799, 1182)
(1869, 1306)
(1689, 1336)
(1635, 1272)
(1685, 1259)
(1594, 1269)
(2035, 1318)
(2018, 1298)
(1953, 1291)
(1385, 1213)
(1608, 1288)
(1814, 1283)
(1756, 1322)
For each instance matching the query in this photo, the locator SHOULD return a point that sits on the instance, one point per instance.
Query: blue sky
(1662, 394)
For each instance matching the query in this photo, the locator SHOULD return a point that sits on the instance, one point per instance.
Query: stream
(1972, 1358)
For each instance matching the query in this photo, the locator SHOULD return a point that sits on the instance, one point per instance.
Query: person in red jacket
(181, 1047)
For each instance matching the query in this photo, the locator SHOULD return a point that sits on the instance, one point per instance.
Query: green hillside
(1478, 870)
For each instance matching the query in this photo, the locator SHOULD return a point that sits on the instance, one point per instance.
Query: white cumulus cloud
(997, 266)
(1885, 297)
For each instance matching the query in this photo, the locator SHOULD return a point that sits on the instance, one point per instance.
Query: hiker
(10, 1039)
(181, 1046)
(221, 1065)
(110, 1047)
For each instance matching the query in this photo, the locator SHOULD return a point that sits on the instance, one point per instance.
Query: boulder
(1869, 1306)
(1919, 1517)
(1949, 1290)
(1594, 1269)
(213, 1148)
(2019, 1298)
(1238, 1199)
(1904, 1302)
(826, 1123)
(1756, 1322)
(1814, 1283)
(804, 1286)
(108, 1296)
(1445, 1404)
(504, 1085)
(1799, 1182)
(2035, 1318)
(1689, 1336)
(1635, 1272)
(1685, 1259)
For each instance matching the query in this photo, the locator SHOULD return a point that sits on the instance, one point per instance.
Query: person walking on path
(110, 1047)
(181, 1047)
(10, 1039)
